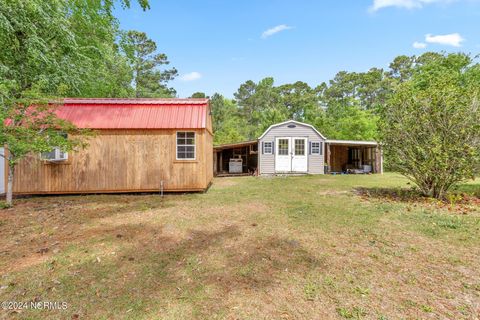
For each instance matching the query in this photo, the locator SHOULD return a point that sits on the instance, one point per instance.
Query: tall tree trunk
(11, 171)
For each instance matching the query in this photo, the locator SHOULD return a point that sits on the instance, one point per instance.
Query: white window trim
(265, 147)
(319, 146)
(57, 155)
(289, 146)
(194, 146)
(305, 146)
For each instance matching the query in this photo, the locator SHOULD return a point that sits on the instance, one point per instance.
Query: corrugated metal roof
(135, 113)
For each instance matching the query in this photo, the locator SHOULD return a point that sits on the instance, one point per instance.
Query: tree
(228, 125)
(299, 101)
(351, 101)
(42, 56)
(430, 127)
(149, 81)
(349, 123)
(263, 104)
(401, 68)
(259, 105)
(199, 95)
(96, 31)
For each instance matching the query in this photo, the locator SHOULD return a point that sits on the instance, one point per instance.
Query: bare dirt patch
(225, 182)
(332, 193)
(253, 250)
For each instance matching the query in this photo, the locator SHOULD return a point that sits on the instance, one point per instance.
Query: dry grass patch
(283, 248)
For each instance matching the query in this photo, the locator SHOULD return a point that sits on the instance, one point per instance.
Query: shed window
(55, 155)
(268, 147)
(316, 148)
(282, 147)
(185, 145)
(299, 147)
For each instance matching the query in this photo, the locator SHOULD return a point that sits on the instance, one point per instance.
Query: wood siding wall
(339, 158)
(121, 161)
(267, 161)
(208, 157)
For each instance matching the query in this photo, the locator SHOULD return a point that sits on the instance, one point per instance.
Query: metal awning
(235, 145)
(352, 142)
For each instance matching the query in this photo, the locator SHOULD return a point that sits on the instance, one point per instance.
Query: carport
(352, 156)
(235, 159)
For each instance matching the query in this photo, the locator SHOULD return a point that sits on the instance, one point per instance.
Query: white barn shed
(291, 147)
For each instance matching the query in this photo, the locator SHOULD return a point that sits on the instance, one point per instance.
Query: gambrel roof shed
(296, 147)
(139, 145)
(291, 147)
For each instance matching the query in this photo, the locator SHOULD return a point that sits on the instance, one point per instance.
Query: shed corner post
(215, 164)
(220, 162)
(329, 169)
(259, 156)
(379, 159)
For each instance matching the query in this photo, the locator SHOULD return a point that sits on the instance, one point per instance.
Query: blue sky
(217, 45)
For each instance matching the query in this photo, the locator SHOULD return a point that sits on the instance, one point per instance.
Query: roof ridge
(116, 101)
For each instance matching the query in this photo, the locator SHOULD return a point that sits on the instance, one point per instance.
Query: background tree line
(347, 107)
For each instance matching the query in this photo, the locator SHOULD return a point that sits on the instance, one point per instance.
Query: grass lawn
(250, 248)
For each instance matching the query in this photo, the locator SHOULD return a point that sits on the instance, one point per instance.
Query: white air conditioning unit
(55, 155)
(235, 165)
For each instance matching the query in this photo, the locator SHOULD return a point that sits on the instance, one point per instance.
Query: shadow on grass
(463, 193)
(395, 194)
(472, 189)
(151, 272)
(455, 201)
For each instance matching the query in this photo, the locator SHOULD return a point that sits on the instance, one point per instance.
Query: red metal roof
(135, 113)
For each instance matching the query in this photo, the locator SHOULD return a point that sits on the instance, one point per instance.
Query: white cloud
(406, 4)
(453, 39)
(276, 29)
(191, 76)
(419, 45)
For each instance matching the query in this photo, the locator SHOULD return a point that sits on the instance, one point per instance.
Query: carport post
(378, 160)
(329, 169)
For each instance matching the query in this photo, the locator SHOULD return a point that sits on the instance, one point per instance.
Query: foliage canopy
(52, 49)
(430, 126)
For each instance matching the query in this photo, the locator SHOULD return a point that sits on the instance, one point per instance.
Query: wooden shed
(141, 145)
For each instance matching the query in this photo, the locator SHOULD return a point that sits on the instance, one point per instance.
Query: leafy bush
(430, 127)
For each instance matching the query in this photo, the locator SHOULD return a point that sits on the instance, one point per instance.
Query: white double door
(291, 154)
